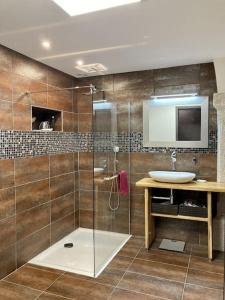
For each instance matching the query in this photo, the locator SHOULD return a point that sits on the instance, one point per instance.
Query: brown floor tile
(9, 291)
(119, 294)
(132, 247)
(55, 271)
(195, 292)
(152, 286)
(164, 257)
(157, 269)
(71, 287)
(47, 296)
(210, 280)
(120, 263)
(199, 263)
(33, 278)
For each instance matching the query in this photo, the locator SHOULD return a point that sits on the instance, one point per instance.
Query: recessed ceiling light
(80, 7)
(46, 44)
(80, 62)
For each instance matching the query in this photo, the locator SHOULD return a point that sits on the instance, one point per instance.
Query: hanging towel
(123, 183)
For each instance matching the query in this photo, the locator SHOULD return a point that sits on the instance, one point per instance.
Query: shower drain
(68, 245)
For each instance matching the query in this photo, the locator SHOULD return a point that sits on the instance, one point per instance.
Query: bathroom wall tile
(177, 89)
(86, 180)
(5, 59)
(32, 245)
(5, 86)
(61, 228)
(86, 219)
(30, 68)
(61, 164)
(84, 103)
(6, 115)
(32, 194)
(177, 75)
(32, 220)
(6, 173)
(21, 116)
(86, 161)
(86, 200)
(207, 72)
(8, 232)
(60, 100)
(133, 80)
(68, 122)
(61, 185)
(62, 206)
(31, 169)
(22, 85)
(7, 261)
(75, 122)
(85, 123)
(7, 203)
(59, 79)
(76, 160)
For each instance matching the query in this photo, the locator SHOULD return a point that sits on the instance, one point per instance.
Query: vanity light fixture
(174, 96)
(80, 7)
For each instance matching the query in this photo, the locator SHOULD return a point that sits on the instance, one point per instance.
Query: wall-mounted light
(80, 7)
(174, 96)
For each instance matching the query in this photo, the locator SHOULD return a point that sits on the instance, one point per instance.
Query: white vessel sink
(98, 171)
(172, 176)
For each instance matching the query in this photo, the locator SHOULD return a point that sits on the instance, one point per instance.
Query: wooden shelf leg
(146, 218)
(210, 229)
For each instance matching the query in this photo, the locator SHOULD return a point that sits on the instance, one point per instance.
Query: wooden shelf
(181, 217)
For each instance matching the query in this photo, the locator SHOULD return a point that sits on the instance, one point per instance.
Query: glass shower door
(111, 199)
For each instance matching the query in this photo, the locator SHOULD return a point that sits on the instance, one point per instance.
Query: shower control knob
(116, 149)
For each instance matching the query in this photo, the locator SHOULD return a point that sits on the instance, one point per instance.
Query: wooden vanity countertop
(208, 186)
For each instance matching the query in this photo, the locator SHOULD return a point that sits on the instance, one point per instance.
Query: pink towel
(123, 183)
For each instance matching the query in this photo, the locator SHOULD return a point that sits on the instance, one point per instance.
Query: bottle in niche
(53, 122)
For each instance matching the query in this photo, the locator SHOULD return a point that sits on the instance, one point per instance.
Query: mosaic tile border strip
(15, 144)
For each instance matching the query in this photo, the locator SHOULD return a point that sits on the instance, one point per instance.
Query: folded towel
(123, 183)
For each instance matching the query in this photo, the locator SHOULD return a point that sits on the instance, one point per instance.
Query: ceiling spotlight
(46, 44)
(80, 62)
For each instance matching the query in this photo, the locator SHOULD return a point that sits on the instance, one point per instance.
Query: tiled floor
(134, 274)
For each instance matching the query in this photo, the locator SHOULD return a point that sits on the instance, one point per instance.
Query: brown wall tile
(62, 227)
(7, 260)
(6, 173)
(61, 185)
(31, 169)
(8, 232)
(5, 59)
(32, 220)
(68, 122)
(62, 206)
(6, 115)
(86, 180)
(86, 161)
(61, 164)
(32, 194)
(32, 245)
(85, 123)
(5, 86)
(61, 100)
(7, 203)
(21, 116)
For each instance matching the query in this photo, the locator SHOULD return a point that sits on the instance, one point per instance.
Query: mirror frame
(203, 143)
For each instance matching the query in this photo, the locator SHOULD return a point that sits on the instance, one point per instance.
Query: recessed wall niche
(46, 119)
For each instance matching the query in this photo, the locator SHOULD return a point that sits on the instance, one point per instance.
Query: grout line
(185, 281)
(124, 274)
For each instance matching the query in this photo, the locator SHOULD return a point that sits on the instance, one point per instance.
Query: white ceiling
(146, 35)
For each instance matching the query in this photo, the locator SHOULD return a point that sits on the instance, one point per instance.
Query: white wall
(219, 64)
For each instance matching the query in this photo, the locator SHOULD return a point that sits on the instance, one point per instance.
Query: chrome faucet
(174, 159)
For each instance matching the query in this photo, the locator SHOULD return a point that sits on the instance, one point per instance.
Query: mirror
(176, 121)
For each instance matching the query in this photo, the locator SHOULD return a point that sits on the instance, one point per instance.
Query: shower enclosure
(102, 188)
